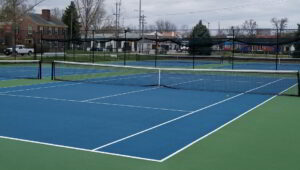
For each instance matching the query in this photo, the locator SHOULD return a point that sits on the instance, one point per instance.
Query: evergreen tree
(201, 42)
(296, 54)
(71, 19)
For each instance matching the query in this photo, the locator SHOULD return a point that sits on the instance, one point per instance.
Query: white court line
(221, 127)
(78, 149)
(108, 104)
(39, 88)
(38, 84)
(31, 89)
(257, 82)
(181, 117)
(120, 94)
(138, 91)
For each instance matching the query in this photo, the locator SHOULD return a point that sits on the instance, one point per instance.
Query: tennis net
(177, 60)
(266, 63)
(230, 81)
(20, 69)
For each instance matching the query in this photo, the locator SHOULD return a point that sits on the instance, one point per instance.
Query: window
(29, 30)
(18, 29)
(41, 29)
(50, 30)
(29, 41)
(45, 30)
(56, 30)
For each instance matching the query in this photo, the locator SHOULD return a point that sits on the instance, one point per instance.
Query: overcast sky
(189, 12)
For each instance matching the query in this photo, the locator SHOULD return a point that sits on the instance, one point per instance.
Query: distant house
(32, 28)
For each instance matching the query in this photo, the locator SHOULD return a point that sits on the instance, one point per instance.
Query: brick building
(32, 28)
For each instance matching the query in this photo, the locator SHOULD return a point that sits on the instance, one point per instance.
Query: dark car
(7, 51)
(96, 49)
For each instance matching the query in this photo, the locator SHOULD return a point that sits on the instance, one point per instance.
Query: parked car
(20, 49)
(96, 49)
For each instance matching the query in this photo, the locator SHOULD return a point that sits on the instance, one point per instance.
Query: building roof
(38, 19)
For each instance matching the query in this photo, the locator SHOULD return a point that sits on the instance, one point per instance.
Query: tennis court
(141, 113)
(216, 62)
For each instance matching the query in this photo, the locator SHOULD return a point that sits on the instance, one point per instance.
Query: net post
(222, 60)
(193, 61)
(53, 71)
(159, 77)
(40, 70)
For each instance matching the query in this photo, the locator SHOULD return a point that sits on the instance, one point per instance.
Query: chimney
(46, 14)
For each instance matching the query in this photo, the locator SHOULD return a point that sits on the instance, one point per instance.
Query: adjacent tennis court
(216, 62)
(142, 113)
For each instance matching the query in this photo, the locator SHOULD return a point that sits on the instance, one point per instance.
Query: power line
(245, 5)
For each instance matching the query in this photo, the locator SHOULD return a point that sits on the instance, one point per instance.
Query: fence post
(42, 46)
(124, 47)
(299, 83)
(64, 44)
(34, 45)
(93, 46)
(277, 48)
(156, 47)
(73, 49)
(233, 48)
(193, 50)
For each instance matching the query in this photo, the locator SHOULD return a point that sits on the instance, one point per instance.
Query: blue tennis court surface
(263, 66)
(152, 123)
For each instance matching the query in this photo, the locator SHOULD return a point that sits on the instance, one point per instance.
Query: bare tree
(14, 10)
(234, 31)
(279, 24)
(57, 13)
(150, 28)
(91, 13)
(250, 27)
(107, 23)
(165, 26)
(185, 31)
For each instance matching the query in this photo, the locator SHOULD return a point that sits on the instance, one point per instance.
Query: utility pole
(140, 17)
(140, 23)
(117, 14)
(143, 22)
